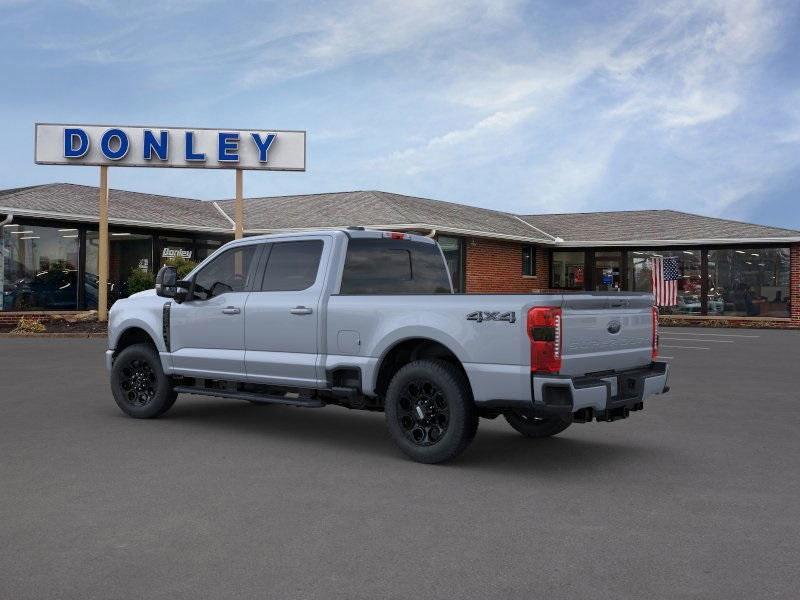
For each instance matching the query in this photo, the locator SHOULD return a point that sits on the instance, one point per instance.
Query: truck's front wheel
(537, 427)
(140, 387)
(430, 412)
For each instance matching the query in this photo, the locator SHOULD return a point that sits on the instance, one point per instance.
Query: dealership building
(730, 272)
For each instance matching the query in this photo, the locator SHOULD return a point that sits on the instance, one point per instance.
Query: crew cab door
(283, 314)
(207, 329)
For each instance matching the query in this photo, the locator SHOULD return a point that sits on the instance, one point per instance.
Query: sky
(528, 107)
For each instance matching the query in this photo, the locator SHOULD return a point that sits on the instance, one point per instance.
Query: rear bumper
(602, 397)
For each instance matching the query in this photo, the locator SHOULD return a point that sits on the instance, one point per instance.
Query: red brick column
(495, 266)
(794, 283)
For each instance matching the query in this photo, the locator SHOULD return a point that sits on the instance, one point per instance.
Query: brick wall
(794, 283)
(495, 266)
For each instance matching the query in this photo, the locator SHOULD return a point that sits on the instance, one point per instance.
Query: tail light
(655, 332)
(544, 330)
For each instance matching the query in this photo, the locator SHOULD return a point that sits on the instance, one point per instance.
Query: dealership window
(607, 270)
(128, 252)
(453, 249)
(529, 261)
(568, 270)
(690, 278)
(176, 247)
(749, 282)
(39, 267)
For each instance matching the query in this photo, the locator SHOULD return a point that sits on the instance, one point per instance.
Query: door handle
(300, 310)
(231, 310)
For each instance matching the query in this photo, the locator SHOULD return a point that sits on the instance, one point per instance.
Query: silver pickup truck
(368, 320)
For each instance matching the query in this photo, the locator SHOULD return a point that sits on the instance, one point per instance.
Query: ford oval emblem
(614, 326)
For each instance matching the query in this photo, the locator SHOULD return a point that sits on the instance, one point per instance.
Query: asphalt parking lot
(698, 496)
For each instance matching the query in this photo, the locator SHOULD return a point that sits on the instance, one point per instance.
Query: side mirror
(185, 290)
(167, 282)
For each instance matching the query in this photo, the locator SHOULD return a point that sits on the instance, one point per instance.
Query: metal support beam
(239, 227)
(103, 254)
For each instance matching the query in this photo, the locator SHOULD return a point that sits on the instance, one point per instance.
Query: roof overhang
(446, 229)
(113, 221)
(684, 242)
(412, 226)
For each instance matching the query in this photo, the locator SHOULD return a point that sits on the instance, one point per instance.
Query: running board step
(249, 396)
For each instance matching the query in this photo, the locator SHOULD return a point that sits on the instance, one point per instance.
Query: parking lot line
(736, 335)
(688, 347)
(672, 339)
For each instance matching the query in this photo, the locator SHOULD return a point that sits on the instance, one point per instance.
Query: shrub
(26, 325)
(139, 280)
(182, 265)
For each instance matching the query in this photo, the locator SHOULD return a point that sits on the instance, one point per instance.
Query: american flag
(665, 280)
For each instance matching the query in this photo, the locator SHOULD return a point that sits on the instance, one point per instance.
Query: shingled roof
(381, 210)
(79, 202)
(659, 226)
(385, 210)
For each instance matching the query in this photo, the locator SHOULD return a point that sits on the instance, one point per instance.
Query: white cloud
(478, 142)
(343, 33)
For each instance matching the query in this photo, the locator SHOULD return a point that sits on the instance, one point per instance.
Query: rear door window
(292, 266)
(380, 266)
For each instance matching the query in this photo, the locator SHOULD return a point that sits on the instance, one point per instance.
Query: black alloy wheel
(423, 412)
(430, 412)
(138, 382)
(140, 387)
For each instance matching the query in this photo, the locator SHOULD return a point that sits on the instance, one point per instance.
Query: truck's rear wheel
(139, 385)
(537, 427)
(430, 412)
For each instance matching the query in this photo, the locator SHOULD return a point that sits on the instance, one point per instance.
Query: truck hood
(144, 293)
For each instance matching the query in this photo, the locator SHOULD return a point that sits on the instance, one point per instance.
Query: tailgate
(606, 331)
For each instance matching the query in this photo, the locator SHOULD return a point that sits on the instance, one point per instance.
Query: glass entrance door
(607, 271)
(127, 252)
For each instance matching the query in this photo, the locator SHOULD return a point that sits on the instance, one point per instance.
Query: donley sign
(197, 148)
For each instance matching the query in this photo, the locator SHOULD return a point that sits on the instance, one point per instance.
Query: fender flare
(136, 323)
(397, 336)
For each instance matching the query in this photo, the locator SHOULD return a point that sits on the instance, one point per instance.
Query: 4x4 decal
(484, 315)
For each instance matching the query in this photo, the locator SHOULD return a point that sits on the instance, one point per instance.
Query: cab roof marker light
(396, 235)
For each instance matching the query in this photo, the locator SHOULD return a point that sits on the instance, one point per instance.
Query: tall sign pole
(239, 227)
(103, 254)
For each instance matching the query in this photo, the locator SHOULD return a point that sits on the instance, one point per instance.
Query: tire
(537, 427)
(430, 412)
(139, 385)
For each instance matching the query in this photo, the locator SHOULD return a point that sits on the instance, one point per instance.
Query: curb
(53, 335)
